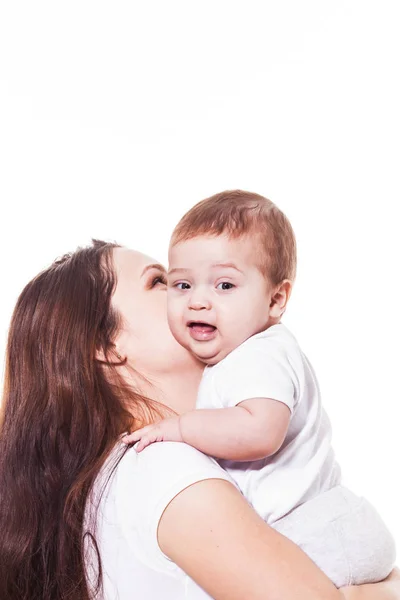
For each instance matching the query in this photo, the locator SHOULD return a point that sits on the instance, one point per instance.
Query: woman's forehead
(130, 263)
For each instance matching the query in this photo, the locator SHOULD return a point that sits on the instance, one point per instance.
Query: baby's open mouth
(201, 325)
(201, 331)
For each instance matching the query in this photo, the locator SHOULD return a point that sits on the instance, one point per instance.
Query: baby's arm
(253, 429)
(256, 388)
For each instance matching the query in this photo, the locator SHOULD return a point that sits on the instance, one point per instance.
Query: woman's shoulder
(164, 454)
(145, 483)
(130, 496)
(162, 469)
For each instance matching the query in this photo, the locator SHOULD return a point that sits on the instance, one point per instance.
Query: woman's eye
(182, 285)
(159, 279)
(225, 285)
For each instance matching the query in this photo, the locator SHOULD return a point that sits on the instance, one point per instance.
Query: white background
(116, 117)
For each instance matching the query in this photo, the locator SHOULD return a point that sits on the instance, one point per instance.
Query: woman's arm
(213, 534)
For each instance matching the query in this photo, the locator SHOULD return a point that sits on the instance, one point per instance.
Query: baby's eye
(225, 285)
(182, 285)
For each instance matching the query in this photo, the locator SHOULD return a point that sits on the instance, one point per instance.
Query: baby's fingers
(131, 438)
(144, 442)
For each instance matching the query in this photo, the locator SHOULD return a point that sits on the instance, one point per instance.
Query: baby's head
(232, 262)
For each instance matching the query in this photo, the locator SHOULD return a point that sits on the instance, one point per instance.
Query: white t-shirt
(130, 501)
(271, 365)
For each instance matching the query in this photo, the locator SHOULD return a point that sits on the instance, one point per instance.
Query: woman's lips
(202, 332)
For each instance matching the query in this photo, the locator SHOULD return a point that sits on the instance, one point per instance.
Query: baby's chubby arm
(252, 430)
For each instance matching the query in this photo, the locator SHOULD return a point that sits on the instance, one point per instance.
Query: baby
(232, 263)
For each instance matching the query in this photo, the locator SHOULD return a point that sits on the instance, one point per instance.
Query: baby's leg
(344, 535)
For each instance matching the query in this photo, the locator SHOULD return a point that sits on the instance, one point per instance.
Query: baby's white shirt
(272, 365)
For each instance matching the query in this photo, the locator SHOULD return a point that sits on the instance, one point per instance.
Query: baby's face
(217, 297)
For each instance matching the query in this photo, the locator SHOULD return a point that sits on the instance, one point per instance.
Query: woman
(89, 357)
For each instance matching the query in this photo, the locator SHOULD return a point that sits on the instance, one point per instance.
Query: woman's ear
(113, 356)
(280, 298)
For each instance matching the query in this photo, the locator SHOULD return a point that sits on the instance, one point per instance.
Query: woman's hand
(167, 430)
(389, 589)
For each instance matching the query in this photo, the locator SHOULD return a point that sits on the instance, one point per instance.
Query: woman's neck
(177, 390)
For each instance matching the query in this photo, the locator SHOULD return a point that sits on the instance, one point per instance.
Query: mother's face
(140, 298)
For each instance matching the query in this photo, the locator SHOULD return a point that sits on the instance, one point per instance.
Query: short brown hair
(238, 213)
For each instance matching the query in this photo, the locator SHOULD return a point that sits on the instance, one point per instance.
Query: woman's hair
(62, 412)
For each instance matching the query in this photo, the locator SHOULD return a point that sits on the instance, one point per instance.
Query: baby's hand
(167, 430)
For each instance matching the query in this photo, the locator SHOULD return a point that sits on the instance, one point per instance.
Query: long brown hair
(61, 415)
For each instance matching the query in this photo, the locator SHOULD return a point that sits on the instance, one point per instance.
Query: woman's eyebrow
(153, 266)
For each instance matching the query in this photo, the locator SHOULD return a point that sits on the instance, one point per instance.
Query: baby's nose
(199, 301)
(199, 306)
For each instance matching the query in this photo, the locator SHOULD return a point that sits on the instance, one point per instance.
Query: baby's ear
(280, 298)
